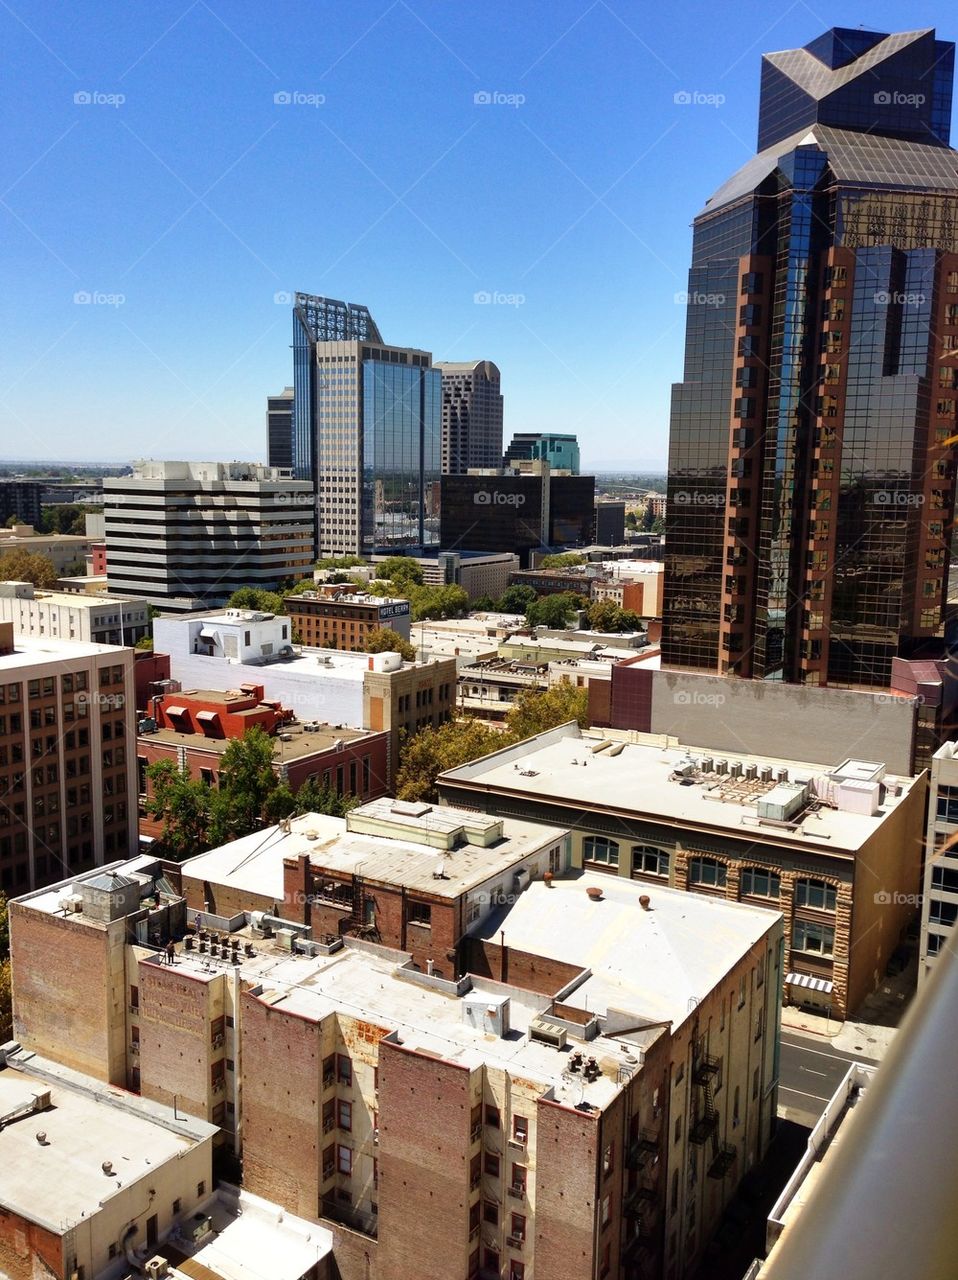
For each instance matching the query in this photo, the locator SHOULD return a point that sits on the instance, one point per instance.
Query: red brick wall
(282, 1106)
(424, 1148)
(567, 1154)
(519, 968)
(223, 901)
(148, 668)
(62, 997)
(175, 1048)
(28, 1252)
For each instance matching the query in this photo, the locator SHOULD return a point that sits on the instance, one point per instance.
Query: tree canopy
(21, 565)
(606, 615)
(562, 560)
(554, 611)
(257, 599)
(517, 598)
(400, 569)
(385, 640)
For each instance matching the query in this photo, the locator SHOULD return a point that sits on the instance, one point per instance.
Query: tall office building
(810, 469)
(279, 429)
(186, 535)
(366, 431)
(471, 416)
(560, 451)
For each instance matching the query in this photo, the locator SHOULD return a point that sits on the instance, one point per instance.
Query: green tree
(426, 754)
(485, 604)
(145, 643)
(247, 781)
(302, 587)
(20, 565)
(438, 602)
(340, 562)
(182, 804)
(316, 797)
(658, 525)
(404, 569)
(562, 560)
(631, 520)
(648, 517)
(385, 640)
(12, 520)
(6, 1001)
(535, 711)
(517, 598)
(554, 611)
(256, 598)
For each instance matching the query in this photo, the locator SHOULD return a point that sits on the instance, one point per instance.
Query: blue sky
(150, 168)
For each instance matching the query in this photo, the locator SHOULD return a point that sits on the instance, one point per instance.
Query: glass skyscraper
(366, 430)
(811, 455)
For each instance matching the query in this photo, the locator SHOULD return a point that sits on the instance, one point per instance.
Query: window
(605, 1210)
(677, 1129)
(519, 1178)
(345, 1117)
(329, 1162)
(947, 805)
(599, 849)
(491, 1164)
(608, 1158)
(200, 1190)
(419, 913)
(815, 893)
(490, 1213)
(759, 882)
(518, 1227)
(709, 872)
(344, 1160)
(817, 939)
(649, 861)
(520, 1129)
(490, 1260)
(344, 1069)
(329, 1070)
(755, 1083)
(492, 1117)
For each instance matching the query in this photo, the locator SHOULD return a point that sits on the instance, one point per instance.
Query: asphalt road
(810, 1072)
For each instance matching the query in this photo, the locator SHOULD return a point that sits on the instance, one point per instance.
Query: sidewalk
(871, 1032)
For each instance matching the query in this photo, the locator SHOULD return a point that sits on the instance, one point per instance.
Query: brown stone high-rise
(811, 457)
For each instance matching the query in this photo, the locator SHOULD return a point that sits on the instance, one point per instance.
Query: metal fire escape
(706, 1126)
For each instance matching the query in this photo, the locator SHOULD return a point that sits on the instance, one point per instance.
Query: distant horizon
(652, 468)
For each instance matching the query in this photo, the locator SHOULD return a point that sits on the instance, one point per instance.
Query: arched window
(708, 872)
(815, 893)
(601, 850)
(649, 861)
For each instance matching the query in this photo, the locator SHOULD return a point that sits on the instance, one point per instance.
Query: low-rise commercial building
(67, 551)
(837, 850)
(488, 689)
(340, 617)
(194, 730)
(67, 790)
(377, 691)
(68, 615)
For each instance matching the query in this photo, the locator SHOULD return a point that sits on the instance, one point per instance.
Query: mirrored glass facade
(812, 438)
(402, 455)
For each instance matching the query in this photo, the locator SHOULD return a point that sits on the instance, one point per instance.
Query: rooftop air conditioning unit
(765, 773)
(721, 767)
(157, 1268)
(735, 769)
(548, 1033)
(751, 772)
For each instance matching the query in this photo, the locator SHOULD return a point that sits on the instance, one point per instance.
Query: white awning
(175, 711)
(806, 980)
(208, 717)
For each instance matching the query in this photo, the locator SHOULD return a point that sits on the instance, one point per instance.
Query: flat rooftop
(650, 962)
(292, 742)
(35, 651)
(354, 598)
(386, 850)
(79, 600)
(642, 780)
(60, 1181)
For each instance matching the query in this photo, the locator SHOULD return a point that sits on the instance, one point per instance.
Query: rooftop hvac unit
(707, 765)
(284, 938)
(765, 773)
(735, 769)
(721, 767)
(751, 772)
(547, 1033)
(783, 775)
(157, 1268)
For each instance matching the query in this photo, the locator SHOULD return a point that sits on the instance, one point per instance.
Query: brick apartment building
(423, 1031)
(194, 730)
(67, 791)
(340, 617)
(837, 850)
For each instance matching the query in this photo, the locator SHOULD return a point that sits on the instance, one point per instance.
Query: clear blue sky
(198, 198)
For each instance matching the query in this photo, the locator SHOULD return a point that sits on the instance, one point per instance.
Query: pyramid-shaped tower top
(897, 86)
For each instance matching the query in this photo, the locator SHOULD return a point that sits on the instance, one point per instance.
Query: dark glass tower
(811, 459)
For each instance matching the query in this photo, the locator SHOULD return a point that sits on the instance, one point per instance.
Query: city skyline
(111, 200)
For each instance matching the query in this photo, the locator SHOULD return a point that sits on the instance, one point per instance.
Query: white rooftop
(60, 1181)
(254, 864)
(37, 650)
(640, 779)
